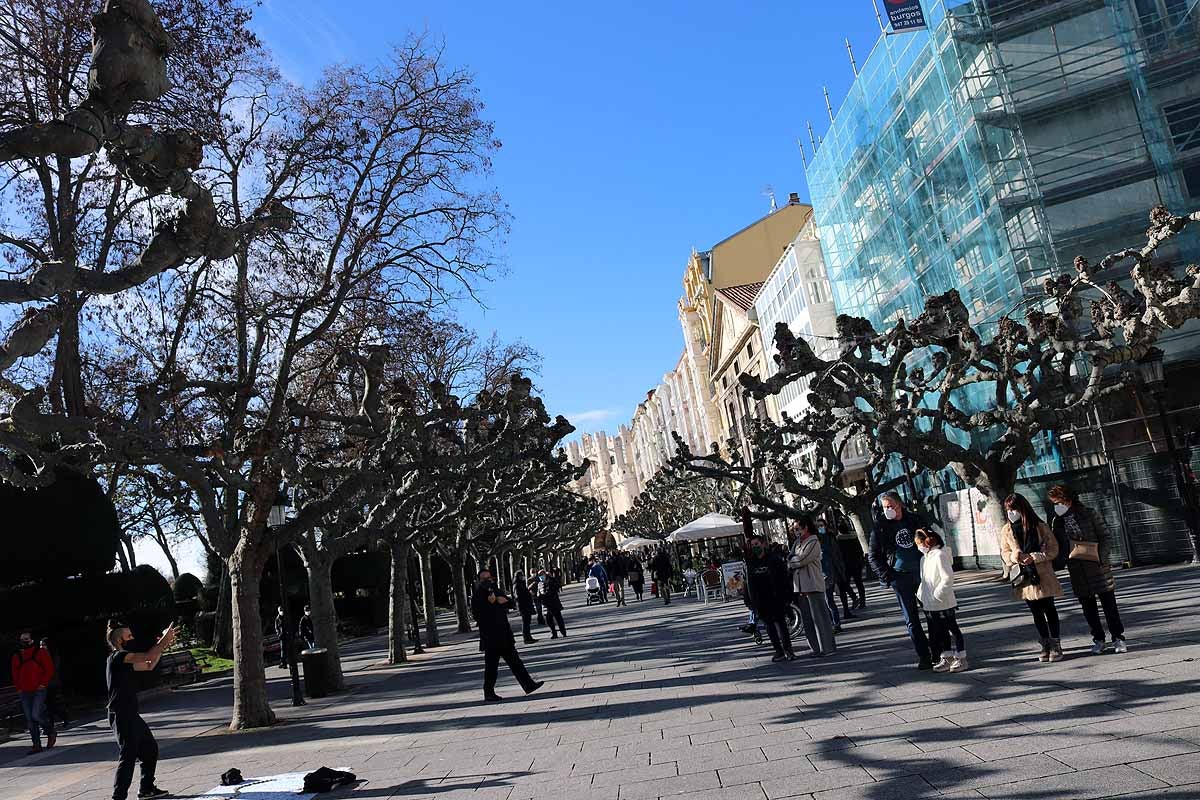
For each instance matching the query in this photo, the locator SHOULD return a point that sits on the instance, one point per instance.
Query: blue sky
(632, 132)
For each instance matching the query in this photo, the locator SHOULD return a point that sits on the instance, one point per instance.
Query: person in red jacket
(32, 669)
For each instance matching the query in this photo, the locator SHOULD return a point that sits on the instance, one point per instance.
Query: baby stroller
(593, 589)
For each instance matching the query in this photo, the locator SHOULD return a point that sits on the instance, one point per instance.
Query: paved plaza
(646, 702)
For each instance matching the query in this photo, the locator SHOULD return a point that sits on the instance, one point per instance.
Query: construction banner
(905, 15)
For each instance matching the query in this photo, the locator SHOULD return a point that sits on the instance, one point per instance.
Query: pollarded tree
(939, 394)
(676, 495)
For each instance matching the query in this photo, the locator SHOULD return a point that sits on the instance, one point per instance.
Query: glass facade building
(987, 151)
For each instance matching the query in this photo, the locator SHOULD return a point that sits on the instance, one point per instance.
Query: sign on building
(905, 15)
(969, 530)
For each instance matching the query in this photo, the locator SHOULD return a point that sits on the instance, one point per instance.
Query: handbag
(1027, 575)
(1085, 551)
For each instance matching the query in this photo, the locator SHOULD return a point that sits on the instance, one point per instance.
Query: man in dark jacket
(490, 607)
(618, 571)
(662, 569)
(525, 606)
(896, 560)
(769, 589)
(306, 629)
(32, 669)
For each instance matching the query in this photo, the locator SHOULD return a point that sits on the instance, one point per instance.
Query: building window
(750, 350)
(1183, 119)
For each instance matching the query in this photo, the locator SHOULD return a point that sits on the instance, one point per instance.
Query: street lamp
(276, 520)
(1155, 381)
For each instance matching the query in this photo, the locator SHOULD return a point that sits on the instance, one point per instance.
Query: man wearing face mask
(32, 668)
(897, 562)
(490, 607)
(133, 734)
(769, 590)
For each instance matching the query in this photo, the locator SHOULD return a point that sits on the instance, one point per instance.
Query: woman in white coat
(937, 599)
(809, 583)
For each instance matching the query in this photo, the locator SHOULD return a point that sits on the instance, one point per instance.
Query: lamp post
(277, 518)
(1155, 381)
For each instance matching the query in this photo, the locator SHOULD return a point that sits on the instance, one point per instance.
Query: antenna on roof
(769, 191)
(828, 105)
(878, 17)
(853, 63)
(812, 137)
(803, 155)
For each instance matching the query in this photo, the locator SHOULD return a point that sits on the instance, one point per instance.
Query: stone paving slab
(647, 702)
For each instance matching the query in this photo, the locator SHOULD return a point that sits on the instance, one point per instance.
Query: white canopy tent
(636, 542)
(710, 526)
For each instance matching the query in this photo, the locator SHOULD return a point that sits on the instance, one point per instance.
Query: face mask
(889, 512)
(1060, 509)
(924, 548)
(1014, 516)
(757, 550)
(820, 529)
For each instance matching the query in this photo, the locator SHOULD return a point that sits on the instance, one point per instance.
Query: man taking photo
(134, 738)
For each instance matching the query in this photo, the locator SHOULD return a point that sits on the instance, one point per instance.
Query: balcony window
(1183, 120)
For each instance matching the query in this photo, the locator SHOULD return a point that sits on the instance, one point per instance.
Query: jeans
(34, 706)
(777, 629)
(833, 609)
(944, 633)
(1045, 617)
(818, 628)
(491, 667)
(136, 743)
(1111, 615)
(619, 590)
(905, 585)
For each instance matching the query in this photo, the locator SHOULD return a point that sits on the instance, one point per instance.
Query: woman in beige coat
(1027, 541)
(808, 581)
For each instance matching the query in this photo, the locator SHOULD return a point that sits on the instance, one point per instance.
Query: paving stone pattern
(650, 702)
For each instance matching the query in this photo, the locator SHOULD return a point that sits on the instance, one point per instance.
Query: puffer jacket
(1048, 585)
(1088, 578)
(937, 581)
(805, 564)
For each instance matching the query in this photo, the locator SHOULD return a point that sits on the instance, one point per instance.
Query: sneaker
(1119, 646)
(943, 665)
(959, 664)
(152, 792)
(1098, 646)
(924, 664)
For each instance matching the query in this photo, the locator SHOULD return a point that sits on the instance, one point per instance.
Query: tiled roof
(741, 296)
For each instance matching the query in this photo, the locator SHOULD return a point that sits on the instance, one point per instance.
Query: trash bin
(317, 672)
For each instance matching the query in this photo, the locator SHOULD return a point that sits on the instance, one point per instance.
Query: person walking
(663, 570)
(490, 608)
(552, 602)
(285, 638)
(525, 606)
(937, 598)
(637, 578)
(808, 582)
(539, 594)
(31, 671)
(134, 738)
(769, 591)
(307, 634)
(1028, 549)
(618, 571)
(835, 573)
(852, 561)
(1087, 566)
(895, 559)
(55, 708)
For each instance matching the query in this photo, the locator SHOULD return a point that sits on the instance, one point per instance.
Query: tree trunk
(250, 706)
(398, 610)
(458, 578)
(124, 556)
(324, 613)
(861, 522)
(431, 628)
(223, 624)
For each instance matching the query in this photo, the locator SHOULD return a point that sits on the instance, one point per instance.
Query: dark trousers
(832, 601)
(1111, 615)
(777, 629)
(664, 591)
(619, 590)
(526, 622)
(136, 743)
(1045, 617)
(491, 666)
(944, 633)
(852, 557)
(541, 618)
(905, 585)
(637, 590)
(554, 617)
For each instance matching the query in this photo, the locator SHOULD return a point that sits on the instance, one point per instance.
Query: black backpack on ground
(326, 780)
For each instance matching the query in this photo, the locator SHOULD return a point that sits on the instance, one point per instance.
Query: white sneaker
(1098, 646)
(1119, 646)
(959, 663)
(943, 665)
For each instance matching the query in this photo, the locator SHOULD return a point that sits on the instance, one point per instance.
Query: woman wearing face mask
(808, 581)
(1027, 544)
(939, 604)
(1091, 576)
